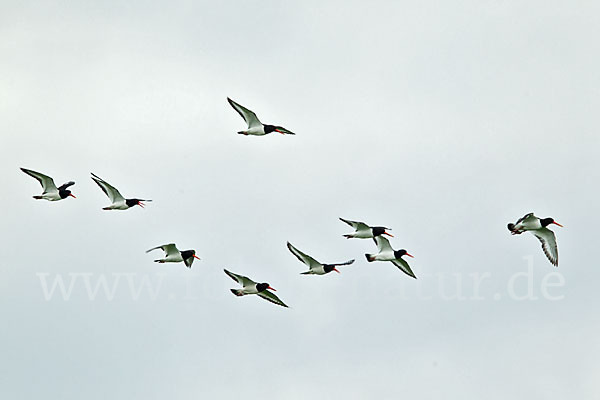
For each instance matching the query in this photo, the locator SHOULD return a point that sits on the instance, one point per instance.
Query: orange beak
(335, 269)
(389, 234)
(410, 255)
(140, 204)
(271, 288)
(195, 256)
(72, 195)
(556, 223)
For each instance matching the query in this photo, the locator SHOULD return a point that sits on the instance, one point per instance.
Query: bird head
(381, 230)
(328, 268)
(263, 286)
(135, 202)
(66, 193)
(402, 252)
(547, 221)
(188, 257)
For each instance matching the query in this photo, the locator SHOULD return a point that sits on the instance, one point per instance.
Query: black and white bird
(251, 287)
(538, 226)
(315, 267)
(255, 127)
(172, 254)
(118, 201)
(386, 253)
(51, 192)
(364, 231)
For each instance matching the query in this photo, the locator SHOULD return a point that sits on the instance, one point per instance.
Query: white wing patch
(359, 226)
(265, 294)
(112, 193)
(548, 239)
(306, 259)
(383, 245)
(44, 180)
(240, 279)
(403, 265)
(169, 249)
(249, 116)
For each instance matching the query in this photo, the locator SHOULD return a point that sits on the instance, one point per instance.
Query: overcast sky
(441, 120)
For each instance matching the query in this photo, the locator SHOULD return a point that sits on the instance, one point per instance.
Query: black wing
(66, 185)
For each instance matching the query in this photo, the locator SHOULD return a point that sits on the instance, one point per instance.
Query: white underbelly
(121, 205)
(320, 270)
(256, 130)
(250, 289)
(363, 234)
(51, 196)
(385, 256)
(174, 258)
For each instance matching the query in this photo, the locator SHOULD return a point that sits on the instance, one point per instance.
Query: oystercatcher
(538, 226)
(172, 254)
(386, 253)
(315, 267)
(118, 201)
(51, 192)
(255, 127)
(251, 287)
(364, 231)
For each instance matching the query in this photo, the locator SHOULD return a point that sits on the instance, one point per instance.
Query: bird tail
(237, 292)
(511, 228)
(348, 236)
(370, 258)
(38, 197)
(306, 273)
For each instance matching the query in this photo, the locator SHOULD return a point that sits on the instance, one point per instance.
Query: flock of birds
(385, 252)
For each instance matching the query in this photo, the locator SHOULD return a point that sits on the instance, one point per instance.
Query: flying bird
(315, 267)
(251, 287)
(364, 231)
(118, 201)
(172, 254)
(255, 127)
(51, 192)
(386, 253)
(538, 226)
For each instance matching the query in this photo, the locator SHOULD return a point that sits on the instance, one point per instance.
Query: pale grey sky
(442, 120)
